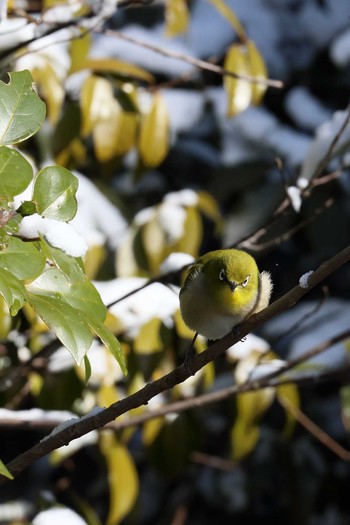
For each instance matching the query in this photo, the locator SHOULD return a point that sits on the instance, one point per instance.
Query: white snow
(294, 195)
(35, 414)
(305, 109)
(171, 218)
(340, 49)
(57, 233)
(175, 261)
(249, 344)
(304, 279)
(58, 516)
(133, 312)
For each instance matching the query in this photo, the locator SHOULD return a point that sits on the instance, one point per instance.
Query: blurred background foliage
(175, 158)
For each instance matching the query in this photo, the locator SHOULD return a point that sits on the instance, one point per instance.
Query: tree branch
(84, 425)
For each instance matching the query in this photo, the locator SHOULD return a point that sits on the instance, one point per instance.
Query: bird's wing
(193, 273)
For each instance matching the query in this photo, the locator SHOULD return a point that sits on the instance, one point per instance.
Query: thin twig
(179, 374)
(314, 429)
(332, 147)
(201, 64)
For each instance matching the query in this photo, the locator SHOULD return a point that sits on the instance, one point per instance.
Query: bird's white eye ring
(222, 275)
(245, 282)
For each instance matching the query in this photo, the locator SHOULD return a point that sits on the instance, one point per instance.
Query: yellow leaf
(258, 70)
(112, 65)
(288, 394)
(176, 17)
(243, 439)
(93, 260)
(96, 91)
(106, 132)
(51, 89)
(153, 241)
(5, 319)
(107, 395)
(79, 48)
(154, 133)
(192, 233)
(151, 430)
(251, 406)
(239, 91)
(122, 478)
(148, 339)
(227, 12)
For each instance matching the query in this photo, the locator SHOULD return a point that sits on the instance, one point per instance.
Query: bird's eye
(222, 275)
(245, 282)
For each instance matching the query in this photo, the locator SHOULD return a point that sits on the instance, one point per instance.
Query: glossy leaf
(15, 172)
(4, 471)
(72, 267)
(21, 258)
(13, 291)
(154, 133)
(55, 193)
(176, 17)
(110, 341)
(122, 478)
(67, 323)
(239, 91)
(81, 295)
(22, 112)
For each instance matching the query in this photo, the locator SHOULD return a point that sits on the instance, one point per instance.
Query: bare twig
(168, 381)
(315, 430)
(201, 64)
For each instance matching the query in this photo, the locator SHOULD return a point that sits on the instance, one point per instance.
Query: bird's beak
(232, 285)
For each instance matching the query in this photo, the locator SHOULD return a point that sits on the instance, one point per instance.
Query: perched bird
(221, 290)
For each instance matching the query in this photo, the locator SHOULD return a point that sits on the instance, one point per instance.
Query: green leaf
(69, 325)
(72, 267)
(239, 91)
(4, 471)
(87, 365)
(15, 172)
(22, 112)
(21, 258)
(54, 193)
(13, 291)
(81, 295)
(110, 341)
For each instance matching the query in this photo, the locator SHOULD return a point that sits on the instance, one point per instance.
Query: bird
(222, 289)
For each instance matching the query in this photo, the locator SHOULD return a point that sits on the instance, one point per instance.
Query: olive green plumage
(222, 289)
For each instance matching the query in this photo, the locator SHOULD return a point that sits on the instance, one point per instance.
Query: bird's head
(232, 277)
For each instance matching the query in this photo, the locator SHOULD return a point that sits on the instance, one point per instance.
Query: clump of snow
(35, 414)
(243, 348)
(175, 261)
(181, 198)
(57, 233)
(57, 516)
(153, 301)
(305, 109)
(172, 218)
(325, 135)
(304, 279)
(340, 49)
(294, 195)
(97, 219)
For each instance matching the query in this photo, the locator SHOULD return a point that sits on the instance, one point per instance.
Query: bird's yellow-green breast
(221, 289)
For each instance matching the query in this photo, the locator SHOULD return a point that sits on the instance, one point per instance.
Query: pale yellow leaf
(192, 236)
(153, 242)
(243, 439)
(151, 430)
(106, 132)
(122, 478)
(251, 406)
(118, 67)
(95, 96)
(51, 89)
(154, 133)
(176, 17)
(79, 48)
(230, 16)
(148, 340)
(257, 69)
(239, 91)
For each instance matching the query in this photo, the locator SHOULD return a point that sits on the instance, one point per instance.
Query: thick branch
(86, 424)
